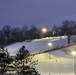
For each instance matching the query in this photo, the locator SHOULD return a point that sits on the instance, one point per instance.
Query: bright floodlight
(44, 30)
(49, 44)
(73, 53)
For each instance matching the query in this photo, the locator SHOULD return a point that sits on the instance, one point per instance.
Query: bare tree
(67, 28)
(7, 31)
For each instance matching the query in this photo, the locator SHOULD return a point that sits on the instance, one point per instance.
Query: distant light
(44, 30)
(73, 53)
(53, 32)
(49, 44)
(63, 37)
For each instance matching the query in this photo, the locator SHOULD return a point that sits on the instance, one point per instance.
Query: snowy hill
(59, 62)
(38, 44)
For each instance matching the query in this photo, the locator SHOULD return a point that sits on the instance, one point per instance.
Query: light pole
(49, 44)
(44, 30)
(74, 54)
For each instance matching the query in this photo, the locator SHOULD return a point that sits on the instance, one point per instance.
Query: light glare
(44, 30)
(73, 53)
(50, 44)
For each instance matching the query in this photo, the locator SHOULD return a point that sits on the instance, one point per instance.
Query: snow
(59, 62)
(38, 44)
(13, 48)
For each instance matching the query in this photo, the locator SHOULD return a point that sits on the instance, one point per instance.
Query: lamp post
(49, 44)
(74, 54)
(43, 31)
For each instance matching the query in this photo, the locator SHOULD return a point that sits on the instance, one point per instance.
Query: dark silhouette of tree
(24, 63)
(16, 34)
(7, 32)
(25, 34)
(33, 32)
(22, 53)
(67, 28)
(10, 35)
(2, 38)
(5, 60)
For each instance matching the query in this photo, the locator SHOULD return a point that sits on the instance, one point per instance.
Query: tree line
(67, 28)
(10, 35)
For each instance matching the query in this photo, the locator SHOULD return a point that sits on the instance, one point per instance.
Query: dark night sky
(38, 12)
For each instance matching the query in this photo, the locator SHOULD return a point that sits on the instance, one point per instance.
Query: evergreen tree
(5, 60)
(24, 63)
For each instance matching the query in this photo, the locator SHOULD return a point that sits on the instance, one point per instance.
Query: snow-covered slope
(42, 44)
(13, 48)
(38, 44)
(59, 62)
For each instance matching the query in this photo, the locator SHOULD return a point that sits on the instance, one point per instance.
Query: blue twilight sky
(39, 12)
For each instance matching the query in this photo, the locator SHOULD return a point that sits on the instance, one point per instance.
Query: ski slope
(60, 62)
